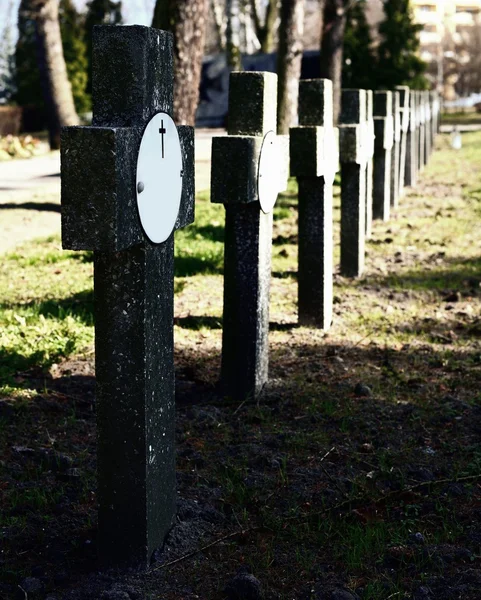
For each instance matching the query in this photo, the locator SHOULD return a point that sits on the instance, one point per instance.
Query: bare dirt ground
(356, 474)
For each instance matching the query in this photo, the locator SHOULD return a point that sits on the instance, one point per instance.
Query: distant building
(449, 41)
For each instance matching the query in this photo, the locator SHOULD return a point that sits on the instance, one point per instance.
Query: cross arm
(99, 208)
(235, 168)
(352, 143)
(384, 132)
(314, 151)
(99, 211)
(187, 201)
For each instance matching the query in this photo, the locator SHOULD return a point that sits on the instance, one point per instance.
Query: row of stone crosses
(128, 184)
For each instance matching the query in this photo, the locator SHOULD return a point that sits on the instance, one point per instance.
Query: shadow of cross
(249, 168)
(314, 153)
(102, 207)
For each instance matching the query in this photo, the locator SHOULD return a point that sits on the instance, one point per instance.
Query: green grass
(394, 329)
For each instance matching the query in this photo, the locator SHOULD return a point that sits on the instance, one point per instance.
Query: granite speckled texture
(132, 75)
(410, 171)
(313, 109)
(99, 206)
(370, 160)
(315, 142)
(353, 157)
(251, 97)
(247, 275)
(248, 232)
(427, 125)
(306, 151)
(133, 282)
(421, 130)
(353, 107)
(396, 149)
(234, 169)
(404, 94)
(384, 131)
(186, 214)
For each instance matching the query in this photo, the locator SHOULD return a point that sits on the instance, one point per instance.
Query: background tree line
(51, 66)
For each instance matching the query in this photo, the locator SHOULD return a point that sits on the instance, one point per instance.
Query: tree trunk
(289, 62)
(332, 44)
(266, 32)
(186, 20)
(53, 71)
(219, 21)
(234, 59)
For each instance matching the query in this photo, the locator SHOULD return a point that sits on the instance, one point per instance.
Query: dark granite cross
(384, 130)
(314, 153)
(237, 173)
(353, 156)
(133, 278)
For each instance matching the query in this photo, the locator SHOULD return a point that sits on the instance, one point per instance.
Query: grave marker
(238, 167)
(421, 129)
(352, 155)
(118, 193)
(410, 171)
(384, 131)
(314, 157)
(370, 160)
(396, 149)
(427, 125)
(404, 94)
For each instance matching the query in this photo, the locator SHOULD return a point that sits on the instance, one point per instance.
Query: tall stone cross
(427, 126)
(396, 149)
(353, 158)
(433, 97)
(127, 185)
(422, 129)
(314, 159)
(384, 130)
(411, 167)
(404, 109)
(249, 169)
(369, 145)
(436, 109)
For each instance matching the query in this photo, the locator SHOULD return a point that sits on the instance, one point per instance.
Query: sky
(135, 12)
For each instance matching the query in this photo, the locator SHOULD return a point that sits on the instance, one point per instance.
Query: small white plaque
(271, 172)
(159, 178)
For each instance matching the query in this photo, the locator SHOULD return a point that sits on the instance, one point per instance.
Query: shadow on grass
(459, 274)
(40, 206)
(213, 233)
(189, 265)
(196, 323)
(405, 434)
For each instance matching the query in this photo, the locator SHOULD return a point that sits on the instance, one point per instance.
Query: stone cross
(411, 167)
(352, 156)
(434, 116)
(422, 130)
(404, 109)
(396, 149)
(436, 109)
(249, 168)
(384, 130)
(428, 126)
(107, 209)
(314, 155)
(370, 160)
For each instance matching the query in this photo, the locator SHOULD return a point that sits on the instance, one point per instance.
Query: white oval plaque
(268, 178)
(159, 178)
